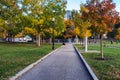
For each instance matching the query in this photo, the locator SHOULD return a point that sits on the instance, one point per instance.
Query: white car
(26, 39)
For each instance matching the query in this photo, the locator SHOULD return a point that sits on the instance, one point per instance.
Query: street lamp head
(53, 11)
(53, 19)
(6, 22)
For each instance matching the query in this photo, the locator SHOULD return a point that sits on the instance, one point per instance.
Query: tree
(2, 29)
(42, 12)
(102, 15)
(69, 29)
(76, 31)
(49, 33)
(118, 34)
(30, 31)
(75, 17)
(34, 9)
(83, 23)
(32, 13)
(9, 12)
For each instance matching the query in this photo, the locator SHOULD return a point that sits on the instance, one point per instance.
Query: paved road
(64, 64)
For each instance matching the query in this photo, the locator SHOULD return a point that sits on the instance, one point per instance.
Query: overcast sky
(75, 4)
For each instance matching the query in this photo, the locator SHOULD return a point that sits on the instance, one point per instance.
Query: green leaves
(35, 14)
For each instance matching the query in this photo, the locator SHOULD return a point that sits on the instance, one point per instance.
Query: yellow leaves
(26, 2)
(50, 31)
(58, 0)
(88, 33)
(87, 24)
(81, 33)
(19, 35)
(76, 31)
(84, 27)
(118, 30)
(95, 23)
(41, 21)
(38, 22)
(1, 22)
(3, 34)
(104, 25)
(117, 37)
(84, 9)
(30, 31)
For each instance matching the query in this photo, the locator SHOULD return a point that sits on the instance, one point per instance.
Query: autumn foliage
(102, 14)
(69, 28)
(118, 34)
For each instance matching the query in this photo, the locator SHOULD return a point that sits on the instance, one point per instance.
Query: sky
(75, 4)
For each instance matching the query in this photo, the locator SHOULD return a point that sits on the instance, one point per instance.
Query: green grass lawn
(105, 69)
(15, 57)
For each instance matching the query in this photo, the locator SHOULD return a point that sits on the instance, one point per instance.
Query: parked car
(26, 39)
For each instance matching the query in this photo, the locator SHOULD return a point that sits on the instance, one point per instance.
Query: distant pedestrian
(63, 43)
(111, 41)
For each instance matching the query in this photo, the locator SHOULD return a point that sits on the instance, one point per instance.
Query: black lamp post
(53, 19)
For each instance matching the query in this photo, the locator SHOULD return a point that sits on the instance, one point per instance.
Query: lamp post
(53, 19)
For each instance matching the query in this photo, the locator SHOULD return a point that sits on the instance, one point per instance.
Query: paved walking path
(64, 64)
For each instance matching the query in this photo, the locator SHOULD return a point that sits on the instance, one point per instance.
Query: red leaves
(102, 13)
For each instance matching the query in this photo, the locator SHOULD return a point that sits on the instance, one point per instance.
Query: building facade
(68, 14)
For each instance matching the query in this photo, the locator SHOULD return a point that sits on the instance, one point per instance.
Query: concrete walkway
(64, 64)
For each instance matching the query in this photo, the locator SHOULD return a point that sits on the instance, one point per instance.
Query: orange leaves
(118, 34)
(67, 36)
(69, 28)
(114, 21)
(68, 23)
(110, 29)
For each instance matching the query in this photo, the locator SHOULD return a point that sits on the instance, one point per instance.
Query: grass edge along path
(104, 69)
(15, 57)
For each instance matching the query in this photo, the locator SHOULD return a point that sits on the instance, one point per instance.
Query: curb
(20, 73)
(86, 65)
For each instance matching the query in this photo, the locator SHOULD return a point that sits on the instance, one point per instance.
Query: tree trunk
(101, 47)
(85, 43)
(38, 39)
(50, 40)
(82, 40)
(8, 37)
(32, 38)
(13, 38)
(42, 40)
